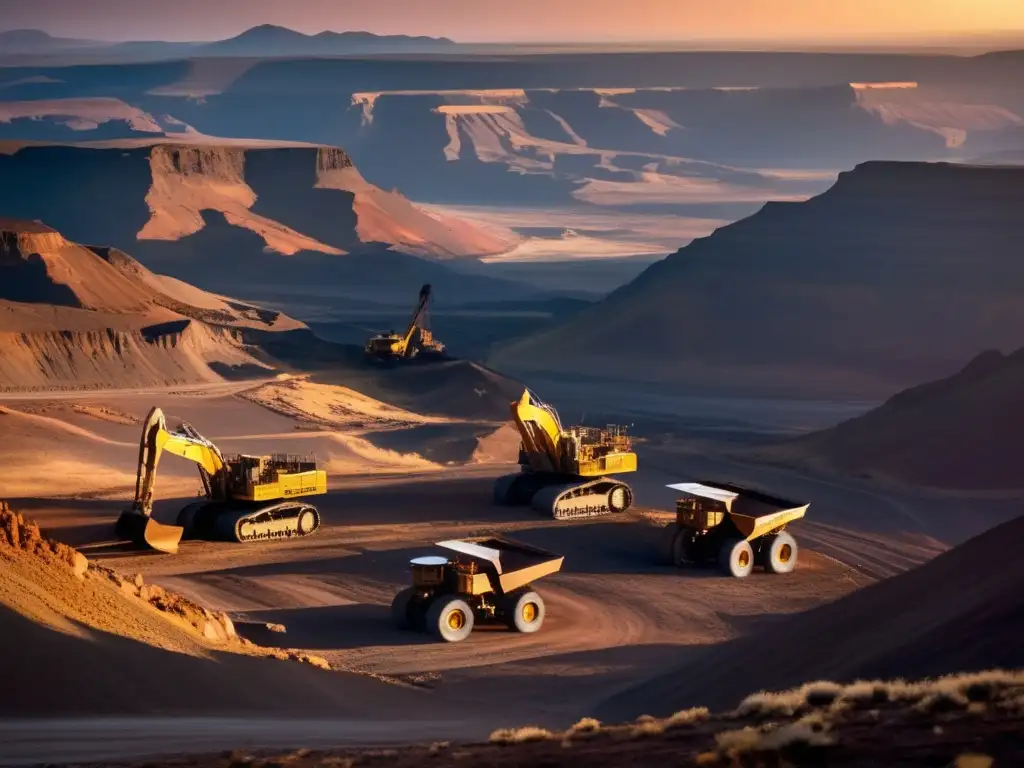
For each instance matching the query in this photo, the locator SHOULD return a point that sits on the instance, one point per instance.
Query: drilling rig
(417, 343)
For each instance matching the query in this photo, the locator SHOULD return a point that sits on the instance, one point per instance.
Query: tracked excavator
(247, 498)
(416, 343)
(565, 473)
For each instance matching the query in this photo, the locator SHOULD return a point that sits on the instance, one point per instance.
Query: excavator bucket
(143, 531)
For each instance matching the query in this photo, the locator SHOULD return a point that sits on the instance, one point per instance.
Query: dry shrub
(520, 735)
(973, 761)
(586, 725)
(809, 731)
(688, 717)
(820, 693)
(650, 727)
(941, 701)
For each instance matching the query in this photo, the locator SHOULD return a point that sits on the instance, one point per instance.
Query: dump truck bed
(515, 563)
(753, 512)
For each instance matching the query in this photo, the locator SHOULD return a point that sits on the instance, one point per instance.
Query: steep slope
(78, 119)
(250, 216)
(959, 612)
(895, 275)
(72, 316)
(960, 432)
(297, 198)
(129, 647)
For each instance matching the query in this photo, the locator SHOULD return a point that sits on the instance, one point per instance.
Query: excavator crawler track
(574, 501)
(563, 499)
(221, 521)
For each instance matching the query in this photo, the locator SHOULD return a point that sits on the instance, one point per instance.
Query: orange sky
(524, 20)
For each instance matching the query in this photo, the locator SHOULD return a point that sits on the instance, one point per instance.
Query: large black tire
(524, 611)
(736, 558)
(667, 544)
(450, 619)
(682, 549)
(780, 553)
(400, 609)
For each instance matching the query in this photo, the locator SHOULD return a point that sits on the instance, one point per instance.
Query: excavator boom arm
(540, 432)
(155, 440)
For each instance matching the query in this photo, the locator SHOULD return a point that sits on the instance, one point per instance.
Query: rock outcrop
(79, 317)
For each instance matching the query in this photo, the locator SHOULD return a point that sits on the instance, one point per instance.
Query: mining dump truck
(247, 498)
(486, 581)
(565, 473)
(733, 526)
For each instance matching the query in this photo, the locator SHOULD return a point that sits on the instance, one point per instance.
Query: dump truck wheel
(400, 609)
(780, 554)
(450, 619)
(682, 554)
(736, 558)
(667, 544)
(525, 612)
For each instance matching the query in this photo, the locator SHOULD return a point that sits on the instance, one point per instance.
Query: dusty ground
(86, 444)
(615, 615)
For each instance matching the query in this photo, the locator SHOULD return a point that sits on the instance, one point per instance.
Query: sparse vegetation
(520, 735)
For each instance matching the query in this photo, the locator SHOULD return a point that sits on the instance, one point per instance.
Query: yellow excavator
(247, 498)
(565, 472)
(417, 341)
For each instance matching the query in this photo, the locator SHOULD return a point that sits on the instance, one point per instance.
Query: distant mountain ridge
(263, 40)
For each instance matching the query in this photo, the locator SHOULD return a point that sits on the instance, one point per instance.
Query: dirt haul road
(614, 615)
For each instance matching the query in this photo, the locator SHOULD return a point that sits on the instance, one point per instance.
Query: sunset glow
(530, 20)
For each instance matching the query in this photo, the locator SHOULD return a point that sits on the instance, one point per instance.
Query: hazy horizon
(562, 22)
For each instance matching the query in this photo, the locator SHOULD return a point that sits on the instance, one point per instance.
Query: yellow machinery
(564, 472)
(734, 526)
(246, 496)
(487, 581)
(417, 341)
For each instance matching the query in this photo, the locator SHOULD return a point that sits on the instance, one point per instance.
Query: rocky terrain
(50, 592)
(73, 316)
(955, 433)
(895, 275)
(231, 216)
(607, 145)
(155, 628)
